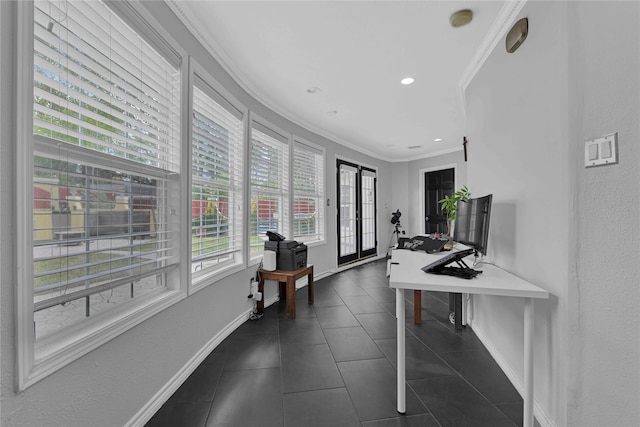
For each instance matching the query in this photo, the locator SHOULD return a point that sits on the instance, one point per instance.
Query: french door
(357, 231)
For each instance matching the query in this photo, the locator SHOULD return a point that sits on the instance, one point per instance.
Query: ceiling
(335, 67)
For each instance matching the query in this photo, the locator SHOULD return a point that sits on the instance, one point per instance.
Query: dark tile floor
(334, 365)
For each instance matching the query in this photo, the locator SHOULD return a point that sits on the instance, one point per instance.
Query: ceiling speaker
(517, 35)
(461, 18)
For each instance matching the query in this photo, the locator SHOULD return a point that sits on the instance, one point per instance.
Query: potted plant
(450, 203)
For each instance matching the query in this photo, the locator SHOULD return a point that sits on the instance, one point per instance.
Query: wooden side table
(288, 278)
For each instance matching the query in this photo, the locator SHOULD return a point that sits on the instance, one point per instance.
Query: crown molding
(427, 155)
(186, 16)
(496, 33)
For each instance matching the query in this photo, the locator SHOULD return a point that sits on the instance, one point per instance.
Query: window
(269, 176)
(216, 171)
(308, 193)
(101, 178)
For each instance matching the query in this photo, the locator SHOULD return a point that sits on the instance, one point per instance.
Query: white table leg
(528, 363)
(401, 351)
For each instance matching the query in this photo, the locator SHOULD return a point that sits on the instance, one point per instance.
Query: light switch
(601, 151)
(606, 149)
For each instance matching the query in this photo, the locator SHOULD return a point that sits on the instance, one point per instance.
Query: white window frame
(36, 361)
(221, 96)
(284, 192)
(320, 194)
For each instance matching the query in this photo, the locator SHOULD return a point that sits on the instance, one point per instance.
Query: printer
(290, 255)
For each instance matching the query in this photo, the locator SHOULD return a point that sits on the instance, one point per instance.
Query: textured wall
(518, 150)
(604, 381)
(569, 229)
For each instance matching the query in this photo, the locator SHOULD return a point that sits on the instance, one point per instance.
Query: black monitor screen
(472, 223)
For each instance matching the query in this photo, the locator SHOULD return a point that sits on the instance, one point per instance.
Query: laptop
(402, 241)
(425, 243)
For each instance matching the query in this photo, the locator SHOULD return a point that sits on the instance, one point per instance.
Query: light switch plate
(601, 151)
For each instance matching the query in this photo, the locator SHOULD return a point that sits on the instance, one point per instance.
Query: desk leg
(457, 312)
(291, 297)
(260, 304)
(402, 388)
(464, 309)
(310, 286)
(417, 307)
(528, 363)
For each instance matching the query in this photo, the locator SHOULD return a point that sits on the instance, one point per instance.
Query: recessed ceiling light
(437, 140)
(413, 147)
(332, 112)
(407, 80)
(313, 90)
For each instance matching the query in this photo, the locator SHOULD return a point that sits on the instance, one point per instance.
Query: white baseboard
(304, 281)
(270, 301)
(147, 411)
(358, 263)
(541, 416)
(323, 275)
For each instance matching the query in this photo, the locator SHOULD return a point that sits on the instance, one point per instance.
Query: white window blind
(216, 171)
(269, 176)
(99, 85)
(106, 163)
(308, 193)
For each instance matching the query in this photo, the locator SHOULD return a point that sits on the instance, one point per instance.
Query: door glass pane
(347, 210)
(368, 211)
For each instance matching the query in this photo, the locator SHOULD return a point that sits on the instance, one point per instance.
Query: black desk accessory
(462, 271)
(424, 243)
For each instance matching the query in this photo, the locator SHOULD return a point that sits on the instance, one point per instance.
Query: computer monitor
(472, 223)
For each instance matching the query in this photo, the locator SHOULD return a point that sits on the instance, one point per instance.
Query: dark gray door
(437, 184)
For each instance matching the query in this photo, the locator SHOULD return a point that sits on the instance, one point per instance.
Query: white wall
(519, 151)
(400, 201)
(6, 133)
(575, 77)
(108, 386)
(604, 375)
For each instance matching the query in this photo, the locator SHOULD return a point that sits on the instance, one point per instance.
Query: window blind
(106, 163)
(308, 193)
(216, 171)
(99, 85)
(269, 182)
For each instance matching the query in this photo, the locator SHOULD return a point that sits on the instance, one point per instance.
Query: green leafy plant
(450, 203)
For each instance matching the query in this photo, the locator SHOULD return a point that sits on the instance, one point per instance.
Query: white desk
(405, 273)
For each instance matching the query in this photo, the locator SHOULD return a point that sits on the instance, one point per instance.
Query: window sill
(58, 350)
